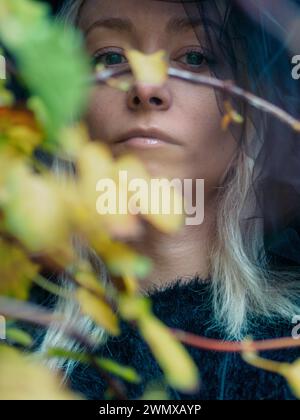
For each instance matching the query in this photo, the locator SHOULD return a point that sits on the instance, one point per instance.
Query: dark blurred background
(55, 4)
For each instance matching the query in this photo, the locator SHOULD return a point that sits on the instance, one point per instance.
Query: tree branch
(234, 346)
(227, 87)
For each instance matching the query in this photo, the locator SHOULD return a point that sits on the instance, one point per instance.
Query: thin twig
(33, 314)
(9, 308)
(227, 87)
(234, 346)
(29, 312)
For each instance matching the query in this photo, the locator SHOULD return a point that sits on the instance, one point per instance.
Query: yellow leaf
(291, 372)
(95, 160)
(23, 379)
(98, 310)
(226, 120)
(34, 209)
(16, 271)
(99, 67)
(151, 68)
(20, 128)
(95, 163)
(167, 223)
(8, 160)
(73, 139)
(133, 165)
(131, 283)
(23, 139)
(156, 390)
(121, 259)
(230, 116)
(88, 280)
(180, 370)
(6, 96)
(170, 214)
(236, 117)
(296, 126)
(133, 307)
(122, 85)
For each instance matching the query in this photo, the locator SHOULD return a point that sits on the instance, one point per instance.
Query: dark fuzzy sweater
(224, 376)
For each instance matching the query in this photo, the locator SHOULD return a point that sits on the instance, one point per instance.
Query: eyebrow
(174, 25)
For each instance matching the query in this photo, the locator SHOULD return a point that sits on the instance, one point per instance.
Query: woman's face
(188, 116)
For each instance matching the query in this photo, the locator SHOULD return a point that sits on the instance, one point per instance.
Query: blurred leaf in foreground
(51, 61)
(290, 371)
(125, 372)
(148, 68)
(23, 379)
(17, 336)
(180, 370)
(98, 310)
(19, 131)
(16, 271)
(34, 209)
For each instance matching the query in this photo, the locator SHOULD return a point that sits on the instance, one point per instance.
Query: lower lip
(143, 142)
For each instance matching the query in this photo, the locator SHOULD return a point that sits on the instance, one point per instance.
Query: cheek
(104, 107)
(210, 149)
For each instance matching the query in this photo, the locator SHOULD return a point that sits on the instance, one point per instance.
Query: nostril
(156, 101)
(136, 100)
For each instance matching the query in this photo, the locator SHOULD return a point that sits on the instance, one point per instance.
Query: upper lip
(150, 133)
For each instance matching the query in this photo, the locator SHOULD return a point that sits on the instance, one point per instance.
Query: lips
(143, 142)
(145, 138)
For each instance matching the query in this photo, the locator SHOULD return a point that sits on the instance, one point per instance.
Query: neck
(183, 254)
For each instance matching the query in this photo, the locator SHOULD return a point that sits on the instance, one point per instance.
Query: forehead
(139, 12)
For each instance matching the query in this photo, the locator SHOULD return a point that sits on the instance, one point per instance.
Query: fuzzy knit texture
(224, 376)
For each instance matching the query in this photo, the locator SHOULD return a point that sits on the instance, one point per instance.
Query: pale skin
(187, 113)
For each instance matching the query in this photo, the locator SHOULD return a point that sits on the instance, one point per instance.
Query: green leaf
(125, 372)
(17, 19)
(18, 336)
(51, 61)
(68, 354)
(55, 68)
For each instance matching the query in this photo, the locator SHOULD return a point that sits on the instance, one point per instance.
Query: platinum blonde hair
(241, 283)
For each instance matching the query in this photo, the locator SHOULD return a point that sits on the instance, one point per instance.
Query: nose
(142, 96)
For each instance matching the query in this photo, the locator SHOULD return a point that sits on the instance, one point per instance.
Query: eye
(109, 58)
(194, 59)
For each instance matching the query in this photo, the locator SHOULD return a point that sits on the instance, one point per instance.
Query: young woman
(237, 273)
